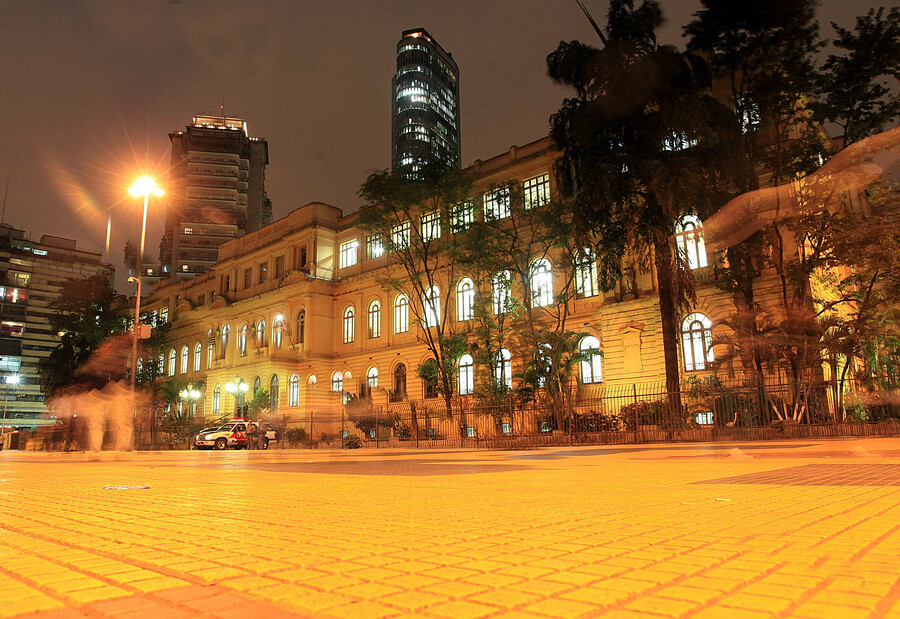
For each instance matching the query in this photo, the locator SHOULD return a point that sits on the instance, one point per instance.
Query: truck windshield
(226, 428)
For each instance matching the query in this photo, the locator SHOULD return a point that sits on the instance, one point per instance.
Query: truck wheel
(221, 443)
(265, 444)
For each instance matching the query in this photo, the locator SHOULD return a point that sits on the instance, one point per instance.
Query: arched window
(429, 374)
(185, 359)
(466, 375)
(294, 391)
(591, 370)
(172, 361)
(210, 348)
(349, 333)
(198, 356)
(503, 369)
(161, 368)
(372, 378)
(400, 380)
(311, 380)
(274, 395)
(374, 319)
(690, 243)
(242, 340)
(465, 299)
(257, 385)
(226, 332)
(500, 286)
(586, 284)
(696, 342)
(541, 279)
(337, 382)
(261, 335)
(217, 399)
(140, 367)
(301, 327)
(431, 305)
(401, 314)
(277, 330)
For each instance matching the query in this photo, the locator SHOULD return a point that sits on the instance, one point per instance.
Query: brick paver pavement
(804, 528)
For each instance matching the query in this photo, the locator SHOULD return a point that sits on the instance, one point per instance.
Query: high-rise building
(425, 122)
(216, 192)
(31, 276)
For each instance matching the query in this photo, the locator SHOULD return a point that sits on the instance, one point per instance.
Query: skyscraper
(216, 192)
(425, 122)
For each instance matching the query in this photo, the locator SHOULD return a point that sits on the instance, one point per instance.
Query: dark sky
(90, 90)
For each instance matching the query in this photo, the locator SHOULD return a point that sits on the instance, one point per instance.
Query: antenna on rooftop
(5, 192)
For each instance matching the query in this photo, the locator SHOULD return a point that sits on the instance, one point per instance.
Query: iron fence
(707, 410)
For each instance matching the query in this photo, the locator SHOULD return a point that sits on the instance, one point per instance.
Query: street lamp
(144, 186)
(9, 379)
(237, 389)
(190, 395)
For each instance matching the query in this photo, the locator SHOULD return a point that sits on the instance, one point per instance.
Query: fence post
(310, 429)
(342, 429)
(376, 426)
(638, 426)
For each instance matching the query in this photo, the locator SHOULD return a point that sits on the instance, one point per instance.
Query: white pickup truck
(232, 434)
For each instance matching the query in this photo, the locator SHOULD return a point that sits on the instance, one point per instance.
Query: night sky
(90, 91)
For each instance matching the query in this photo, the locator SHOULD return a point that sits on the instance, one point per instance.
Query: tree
(643, 145)
(411, 220)
(83, 314)
(857, 89)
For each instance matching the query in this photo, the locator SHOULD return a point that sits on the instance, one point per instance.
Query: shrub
(295, 435)
(352, 442)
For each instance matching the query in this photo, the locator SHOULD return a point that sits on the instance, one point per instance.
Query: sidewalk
(799, 528)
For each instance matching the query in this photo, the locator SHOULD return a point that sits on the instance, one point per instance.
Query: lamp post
(190, 395)
(237, 389)
(10, 379)
(144, 186)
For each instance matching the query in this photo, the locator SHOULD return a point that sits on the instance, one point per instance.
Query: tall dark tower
(425, 124)
(216, 192)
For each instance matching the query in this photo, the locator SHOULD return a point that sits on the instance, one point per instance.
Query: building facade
(425, 106)
(216, 191)
(297, 308)
(32, 273)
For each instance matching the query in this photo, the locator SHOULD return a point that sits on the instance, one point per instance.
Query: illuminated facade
(425, 106)
(215, 192)
(296, 308)
(30, 276)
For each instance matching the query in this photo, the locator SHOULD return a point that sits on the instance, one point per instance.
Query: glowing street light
(237, 389)
(190, 395)
(9, 379)
(144, 186)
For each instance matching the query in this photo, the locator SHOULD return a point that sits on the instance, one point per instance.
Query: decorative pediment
(219, 301)
(632, 325)
(183, 305)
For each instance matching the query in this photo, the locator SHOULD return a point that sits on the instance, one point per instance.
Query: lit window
(586, 274)
(400, 236)
(185, 359)
(348, 254)
(311, 380)
(431, 304)
(161, 368)
(374, 321)
(431, 226)
(372, 378)
(277, 330)
(198, 356)
(537, 191)
(500, 285)
(226, 331)
(242, 340)
(696, 342)
(172, 360)
(748, 111)
(217, 398)
(401, 314)
(503, 369)
(466, 375)
(274, 395)
(465, 299)
(496, 204)
(294, 391)
(541, 283)
(263, 272)
(690, 243)
(677, 141)
(164, 315)
(462, 215)
(374, 246)
(261, 335)
(349, 331)
(337, 382)
(591, 370)
(301, 326)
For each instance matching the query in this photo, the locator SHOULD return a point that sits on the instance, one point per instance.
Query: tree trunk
(667, 313)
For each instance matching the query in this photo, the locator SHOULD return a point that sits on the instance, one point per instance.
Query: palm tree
(643, 144)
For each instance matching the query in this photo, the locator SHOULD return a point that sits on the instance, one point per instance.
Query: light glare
(145, 186)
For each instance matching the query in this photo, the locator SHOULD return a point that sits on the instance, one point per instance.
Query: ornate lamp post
(190, 395)
(237, 388)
